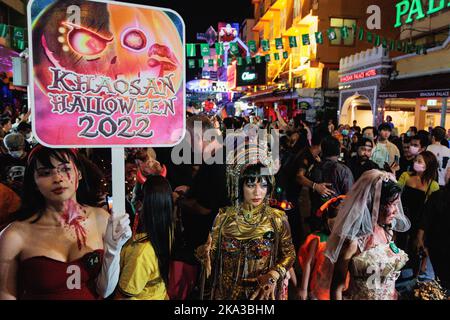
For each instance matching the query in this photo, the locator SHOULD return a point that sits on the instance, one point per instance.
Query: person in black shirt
(296, 174)
(356, 128)
(406, 159)
(200, 203)
(433, 233)
(361, 162)
(331, 171)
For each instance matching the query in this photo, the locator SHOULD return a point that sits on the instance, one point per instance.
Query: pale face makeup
(387, 216)
(254, 192)
(57, 184)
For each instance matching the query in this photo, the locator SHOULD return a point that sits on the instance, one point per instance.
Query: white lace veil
(359, 214)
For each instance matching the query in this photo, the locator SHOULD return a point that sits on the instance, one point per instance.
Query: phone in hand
(109, 203)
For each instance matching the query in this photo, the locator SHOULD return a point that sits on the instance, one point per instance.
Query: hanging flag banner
(3, 30)
(248, 60)
(108, 74)
(305, 39)
(230, 61)
(234, 48)
(204, 49)
(201, 63)
(210, 62)
(344, 32)
(267, 57)
(191, 63)
(377, 40)
(285, 55)
(369, 37)
(191, 50)
(252, 46)
(276, 56)
(319, 37)
(279, 43)
(219, 48)
(258, 59)
(384, 43)
(220, 62)
(392, 45)
(331, 34)
(293, 42)
(361, 34)
(18, 38)
(239, 61)
(265, 45)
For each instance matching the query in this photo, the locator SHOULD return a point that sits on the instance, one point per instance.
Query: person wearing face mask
(361, 162)
(417, 186)
(12, 164)
(412, 147)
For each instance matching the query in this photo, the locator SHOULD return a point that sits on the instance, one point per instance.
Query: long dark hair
(33, 202)
(157, 220)
(432, 164)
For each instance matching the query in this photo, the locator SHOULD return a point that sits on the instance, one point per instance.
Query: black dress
(413, 201)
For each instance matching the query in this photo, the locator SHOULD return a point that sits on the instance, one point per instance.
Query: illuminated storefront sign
(248, 76)
(251, 75)
(415, 10)
(358, 76)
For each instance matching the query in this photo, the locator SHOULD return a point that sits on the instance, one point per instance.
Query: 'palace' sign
(358, 76)
(416, 10)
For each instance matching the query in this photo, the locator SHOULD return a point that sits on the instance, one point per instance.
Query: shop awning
(271, 96)
(433, 86)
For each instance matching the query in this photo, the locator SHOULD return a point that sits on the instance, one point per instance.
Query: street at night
(195, 151)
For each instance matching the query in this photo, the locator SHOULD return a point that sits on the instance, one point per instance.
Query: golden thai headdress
(240, 159)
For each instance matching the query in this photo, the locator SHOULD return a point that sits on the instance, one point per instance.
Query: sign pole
(118, 179)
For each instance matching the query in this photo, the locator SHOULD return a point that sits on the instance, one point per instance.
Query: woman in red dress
(61, 247)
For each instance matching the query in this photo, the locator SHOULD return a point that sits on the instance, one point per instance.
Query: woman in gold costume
(249, 250)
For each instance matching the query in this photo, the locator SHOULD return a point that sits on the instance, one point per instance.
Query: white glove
(117, 233)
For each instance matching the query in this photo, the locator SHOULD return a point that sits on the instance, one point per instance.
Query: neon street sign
(248, 76)
(414, 10)
(358, 76)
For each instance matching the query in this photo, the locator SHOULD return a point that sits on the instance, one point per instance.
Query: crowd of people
(343, 213)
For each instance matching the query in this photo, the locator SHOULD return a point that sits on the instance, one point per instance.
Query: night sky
(198, 15)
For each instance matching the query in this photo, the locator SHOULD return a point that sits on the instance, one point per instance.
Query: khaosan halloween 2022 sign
(106, 74)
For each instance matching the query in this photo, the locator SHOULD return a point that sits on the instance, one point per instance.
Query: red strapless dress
(44, 278)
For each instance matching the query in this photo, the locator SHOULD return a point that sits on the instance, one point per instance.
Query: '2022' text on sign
(106, 74)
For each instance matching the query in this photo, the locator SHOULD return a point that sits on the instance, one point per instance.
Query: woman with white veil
(361, 240)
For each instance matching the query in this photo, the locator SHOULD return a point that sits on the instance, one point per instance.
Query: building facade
(414, 88)
(310, 74)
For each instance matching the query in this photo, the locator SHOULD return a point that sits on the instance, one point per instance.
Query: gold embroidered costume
(246, 245)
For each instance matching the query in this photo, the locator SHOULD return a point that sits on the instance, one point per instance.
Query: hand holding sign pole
(106, 74)
(111, 75)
